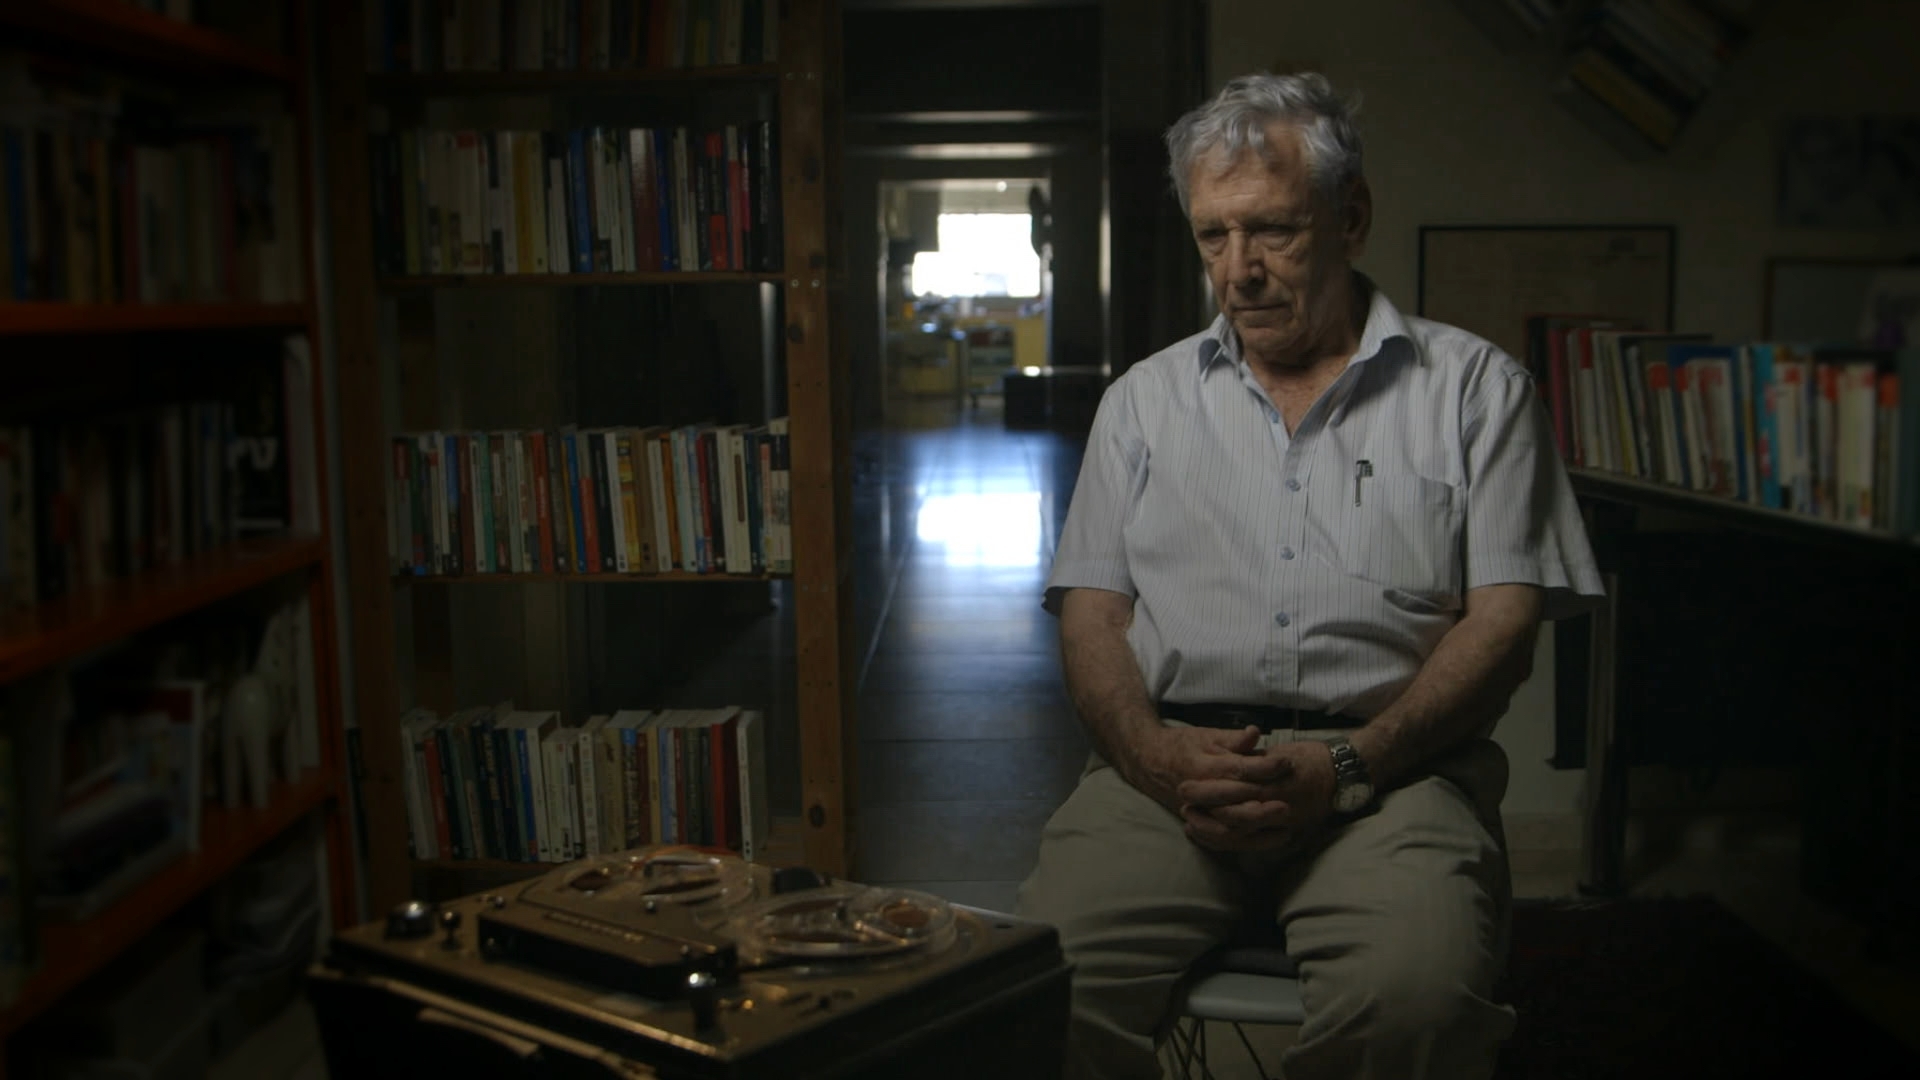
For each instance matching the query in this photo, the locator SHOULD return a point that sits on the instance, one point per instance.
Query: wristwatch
(1352, 786)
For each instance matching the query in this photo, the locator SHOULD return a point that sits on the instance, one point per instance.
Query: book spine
(561, 514)
(542, 499)
(483, 506)
(639, 547)
(579, 202)
(530, 506)
(577, 511)
(527, 770)
(607, 458)
(501, 551)
(447, 794)
(633, 768)
(600, 521)
(512, 804)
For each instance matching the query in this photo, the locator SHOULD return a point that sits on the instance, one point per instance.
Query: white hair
(1236, 121)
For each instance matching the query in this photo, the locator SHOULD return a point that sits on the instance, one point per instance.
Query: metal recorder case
(684, 965)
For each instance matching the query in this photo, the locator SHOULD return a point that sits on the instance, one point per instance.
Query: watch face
(1350, 797)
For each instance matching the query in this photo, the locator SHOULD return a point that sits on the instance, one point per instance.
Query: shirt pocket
(1404, 536)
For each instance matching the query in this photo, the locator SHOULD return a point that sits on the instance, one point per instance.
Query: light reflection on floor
(998, 529)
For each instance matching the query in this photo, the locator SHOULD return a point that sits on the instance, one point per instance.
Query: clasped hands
(1234, 796)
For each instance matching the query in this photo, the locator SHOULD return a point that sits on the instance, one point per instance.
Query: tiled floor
(967, 741)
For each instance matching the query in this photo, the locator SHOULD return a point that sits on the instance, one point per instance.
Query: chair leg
(1188, 1039)
(1258, 1065)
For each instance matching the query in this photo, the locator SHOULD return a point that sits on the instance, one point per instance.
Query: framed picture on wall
(1488, 278)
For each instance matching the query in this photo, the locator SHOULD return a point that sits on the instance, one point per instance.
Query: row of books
(419, 36)
(84, 502)
(1651, 61)
(698, 498)
(503, 783)
(1831, 432)
(592, 200)
(201, 205)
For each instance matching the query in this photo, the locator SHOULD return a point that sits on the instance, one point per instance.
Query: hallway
(967, 739)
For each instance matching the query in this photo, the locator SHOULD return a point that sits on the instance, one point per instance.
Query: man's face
(1277, 255)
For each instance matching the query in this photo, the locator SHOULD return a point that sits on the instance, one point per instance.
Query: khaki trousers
(1397, 921)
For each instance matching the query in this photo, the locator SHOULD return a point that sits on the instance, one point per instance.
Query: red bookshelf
(120, 28)
(54, 317)
(71, 951)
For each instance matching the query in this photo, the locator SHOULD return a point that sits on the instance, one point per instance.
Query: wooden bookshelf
(661, 277)
(1614, 487)
(32, 638)
(468, 83)
(71, 951)
(123, 30)
(76, 37)
(53, 317)
(387, 325)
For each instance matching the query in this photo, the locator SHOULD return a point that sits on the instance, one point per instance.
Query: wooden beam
(816, 400)
(363, 453)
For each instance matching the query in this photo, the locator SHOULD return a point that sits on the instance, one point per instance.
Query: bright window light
(980, 255)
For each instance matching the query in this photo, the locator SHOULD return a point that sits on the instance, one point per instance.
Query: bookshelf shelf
(71, 951)
(120, 28)
(34, 637)
(393, 317)
(1613, 487)
(521, 82)
(54, 317)
(585, 579)
(689, 277)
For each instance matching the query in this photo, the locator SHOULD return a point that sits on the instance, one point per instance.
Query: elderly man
(1301, 576)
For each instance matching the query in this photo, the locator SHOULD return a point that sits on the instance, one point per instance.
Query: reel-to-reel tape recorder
(680, 963)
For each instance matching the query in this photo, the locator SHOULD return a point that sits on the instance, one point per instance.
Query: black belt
(1265, 717)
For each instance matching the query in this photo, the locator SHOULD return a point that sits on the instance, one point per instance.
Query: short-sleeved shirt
(1318, 570)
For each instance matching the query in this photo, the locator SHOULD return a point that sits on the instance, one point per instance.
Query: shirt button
(1293, 485)
(1286, 553)
(1282, 619)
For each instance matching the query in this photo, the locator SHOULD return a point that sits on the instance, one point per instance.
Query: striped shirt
(1318, 570)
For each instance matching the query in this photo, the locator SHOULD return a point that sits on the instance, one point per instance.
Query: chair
(1237, 984)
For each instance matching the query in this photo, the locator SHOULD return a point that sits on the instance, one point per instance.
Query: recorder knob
(703, 993)
(413, 919)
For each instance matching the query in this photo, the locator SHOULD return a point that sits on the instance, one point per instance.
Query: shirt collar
(1384, 326)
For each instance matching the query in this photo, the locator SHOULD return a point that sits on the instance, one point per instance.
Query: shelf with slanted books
(1639, 72)
(162, 464)
(571, 281)
(1827, 436)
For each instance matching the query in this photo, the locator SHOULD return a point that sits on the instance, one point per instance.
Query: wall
(1458, 132)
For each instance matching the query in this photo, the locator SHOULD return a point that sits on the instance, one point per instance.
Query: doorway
(967, 296)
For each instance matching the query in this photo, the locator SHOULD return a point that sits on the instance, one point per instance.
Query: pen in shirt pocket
(1361, 469)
